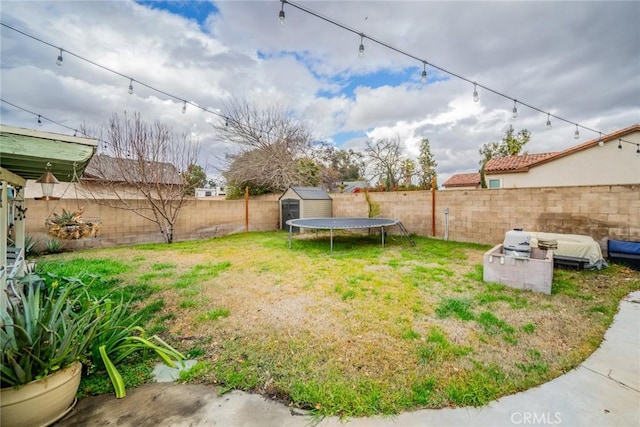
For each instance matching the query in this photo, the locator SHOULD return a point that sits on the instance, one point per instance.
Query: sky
(576, 60)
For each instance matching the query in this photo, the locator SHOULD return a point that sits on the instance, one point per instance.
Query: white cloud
(578, 60)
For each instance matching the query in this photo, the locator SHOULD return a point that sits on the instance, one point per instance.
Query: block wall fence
(480, 216)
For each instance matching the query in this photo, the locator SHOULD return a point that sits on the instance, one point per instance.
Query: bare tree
(144, 161)
(385, 160)
(274, 146)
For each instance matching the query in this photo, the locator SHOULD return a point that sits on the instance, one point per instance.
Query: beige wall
(593, 166)
(315, 208)
(481, 215)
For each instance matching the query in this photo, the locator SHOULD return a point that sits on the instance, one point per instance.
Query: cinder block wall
(481, 216)
(197, 219)
(484, 215)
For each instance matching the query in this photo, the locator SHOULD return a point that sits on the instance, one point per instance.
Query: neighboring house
(613, 163)
(351, 186)
(211, 192)
(104, 171)
(462, 181)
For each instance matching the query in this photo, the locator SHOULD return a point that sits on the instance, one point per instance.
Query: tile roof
(463, 180)
(515, 163)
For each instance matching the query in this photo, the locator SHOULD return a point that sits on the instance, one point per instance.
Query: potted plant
(45, 334)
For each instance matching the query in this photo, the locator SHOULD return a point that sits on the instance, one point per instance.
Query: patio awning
(26, 153)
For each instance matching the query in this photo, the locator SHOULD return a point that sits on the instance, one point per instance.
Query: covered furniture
(574, 250)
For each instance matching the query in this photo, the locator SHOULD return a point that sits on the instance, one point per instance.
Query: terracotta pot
(40, 402)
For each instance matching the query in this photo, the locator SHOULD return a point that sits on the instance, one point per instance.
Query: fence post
(246, 209)
(433, 206)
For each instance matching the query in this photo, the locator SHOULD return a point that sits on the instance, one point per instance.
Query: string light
(361, 51)
(619, 144)
(638, 150)
(515, 109)
(59, 59)
(281, 15)
(576, 135)
(424, 72)
(361, 48)
(476, 97)
(407, 54)
(600, 141)
(548, 121)
(131, 87)
(39, 120)
(184, 107)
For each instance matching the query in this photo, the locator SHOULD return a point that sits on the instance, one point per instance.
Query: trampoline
(343, 224)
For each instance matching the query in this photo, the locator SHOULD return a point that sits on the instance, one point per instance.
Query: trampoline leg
(331, 239)
(290, 233)
(382, 233)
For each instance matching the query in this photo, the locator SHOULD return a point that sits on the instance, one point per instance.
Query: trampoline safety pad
(340, 224)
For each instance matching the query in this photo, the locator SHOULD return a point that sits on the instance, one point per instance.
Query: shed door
(290, 210)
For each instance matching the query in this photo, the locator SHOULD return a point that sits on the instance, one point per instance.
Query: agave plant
(49, 327)
(42, 332)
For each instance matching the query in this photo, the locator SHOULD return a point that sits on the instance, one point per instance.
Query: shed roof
(308, 193)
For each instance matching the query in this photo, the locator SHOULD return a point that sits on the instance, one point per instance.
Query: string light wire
(177, 98)
(444, 70)
(228, 120)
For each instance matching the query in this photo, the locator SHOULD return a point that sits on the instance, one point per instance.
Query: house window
(494, 183)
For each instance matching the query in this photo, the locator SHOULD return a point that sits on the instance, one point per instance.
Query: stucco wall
(481, 215)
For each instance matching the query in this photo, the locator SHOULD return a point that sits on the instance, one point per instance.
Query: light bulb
(60, 59)
(619, 144)
(476, 97)
(424, 72)
(576, 135)
(361, 48)
(281, 15)
(548, 121)
(131, 87)
(600, 141)
(184, 107)
(515, 109)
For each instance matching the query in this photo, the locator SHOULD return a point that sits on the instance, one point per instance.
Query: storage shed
(303, 202)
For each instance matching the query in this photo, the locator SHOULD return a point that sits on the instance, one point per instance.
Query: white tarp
(574, 245)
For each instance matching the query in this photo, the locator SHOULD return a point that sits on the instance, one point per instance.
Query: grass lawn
(365, 330)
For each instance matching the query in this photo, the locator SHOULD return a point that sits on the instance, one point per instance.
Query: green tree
(195, 176)
(407, 171)
(427, 165)
(511, 145)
